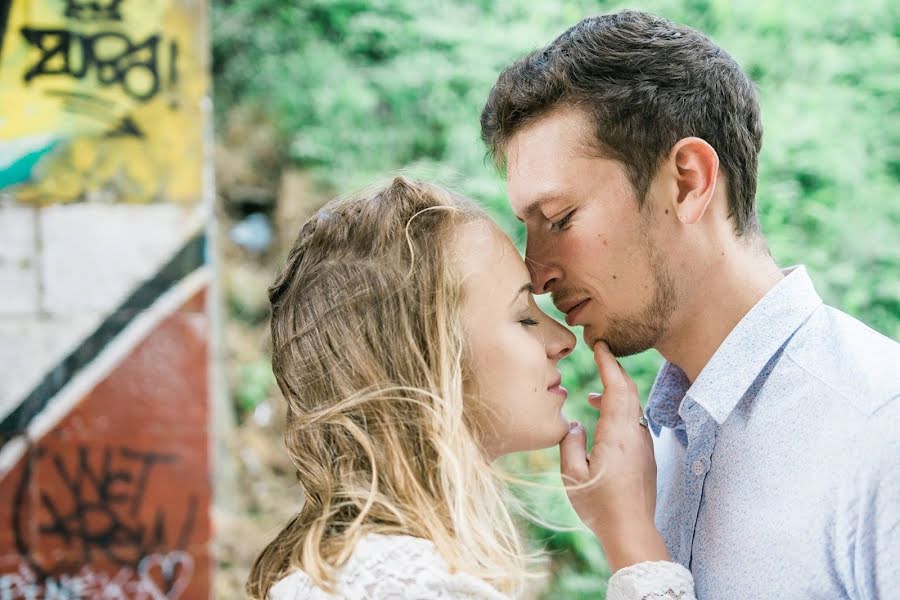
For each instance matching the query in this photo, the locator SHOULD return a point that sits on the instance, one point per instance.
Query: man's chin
(591, 334)
(620, 344)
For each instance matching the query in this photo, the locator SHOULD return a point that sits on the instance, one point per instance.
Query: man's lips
(573, 310)
(568, 304)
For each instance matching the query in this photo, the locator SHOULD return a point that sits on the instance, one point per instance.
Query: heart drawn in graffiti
(166, 575)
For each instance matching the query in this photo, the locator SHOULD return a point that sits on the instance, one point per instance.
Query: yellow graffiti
(105, 98)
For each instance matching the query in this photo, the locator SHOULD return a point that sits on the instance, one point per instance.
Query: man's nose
(544, 274)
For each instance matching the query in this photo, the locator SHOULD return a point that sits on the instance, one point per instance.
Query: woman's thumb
(573, 463)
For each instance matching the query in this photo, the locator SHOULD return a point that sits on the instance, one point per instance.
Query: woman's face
(514, 346)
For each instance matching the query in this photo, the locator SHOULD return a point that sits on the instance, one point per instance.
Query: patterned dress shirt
(779, 467)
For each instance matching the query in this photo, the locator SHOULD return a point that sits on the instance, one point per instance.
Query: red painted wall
(114, 500)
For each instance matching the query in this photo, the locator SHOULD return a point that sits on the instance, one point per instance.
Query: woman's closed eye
(528, 321)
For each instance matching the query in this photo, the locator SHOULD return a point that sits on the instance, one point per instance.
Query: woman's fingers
(620, 397)
(611, 373)
(619, 506)
(573, 462)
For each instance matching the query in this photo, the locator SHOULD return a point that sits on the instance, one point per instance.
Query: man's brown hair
(645, 83)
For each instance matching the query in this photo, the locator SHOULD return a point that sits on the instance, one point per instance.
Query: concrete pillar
(106, 385)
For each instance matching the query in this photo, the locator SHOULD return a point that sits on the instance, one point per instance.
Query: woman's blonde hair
(370, 354)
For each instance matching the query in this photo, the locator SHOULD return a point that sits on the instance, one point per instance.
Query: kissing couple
(411, 353)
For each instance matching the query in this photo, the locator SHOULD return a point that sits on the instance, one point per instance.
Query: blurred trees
(357, 90)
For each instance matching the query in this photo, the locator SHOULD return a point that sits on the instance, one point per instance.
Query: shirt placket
(701, 434)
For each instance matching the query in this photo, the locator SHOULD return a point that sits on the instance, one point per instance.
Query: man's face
(589, 243)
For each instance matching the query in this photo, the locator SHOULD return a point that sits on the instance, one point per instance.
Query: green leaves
(254, 384)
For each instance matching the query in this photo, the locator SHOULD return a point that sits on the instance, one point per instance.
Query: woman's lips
(559, 390)
(556, 387)
(573, 312)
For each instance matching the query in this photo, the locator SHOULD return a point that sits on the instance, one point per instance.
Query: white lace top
(399, 567)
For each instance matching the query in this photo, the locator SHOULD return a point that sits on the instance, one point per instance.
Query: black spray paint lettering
(112, 56)
(97, 510)
(93, 11)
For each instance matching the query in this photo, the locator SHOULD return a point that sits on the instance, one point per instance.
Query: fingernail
(574, 426)
(594, 395)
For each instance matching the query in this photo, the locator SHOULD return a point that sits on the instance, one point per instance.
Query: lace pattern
(395, 567)
(657, 580)
(400, 567)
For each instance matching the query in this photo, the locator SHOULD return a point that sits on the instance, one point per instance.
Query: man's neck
(727, 291)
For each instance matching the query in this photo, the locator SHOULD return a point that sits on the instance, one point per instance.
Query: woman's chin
(563, 429)
(538, 438)
(556, 433)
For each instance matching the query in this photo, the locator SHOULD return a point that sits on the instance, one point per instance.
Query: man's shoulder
(850, 359)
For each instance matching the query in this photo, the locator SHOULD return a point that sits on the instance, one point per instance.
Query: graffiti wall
(101, 99)
(105, 472)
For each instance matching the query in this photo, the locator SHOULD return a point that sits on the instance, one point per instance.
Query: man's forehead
(542, 159)
(540, 144)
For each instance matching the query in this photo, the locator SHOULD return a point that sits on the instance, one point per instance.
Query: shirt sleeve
(657, 580)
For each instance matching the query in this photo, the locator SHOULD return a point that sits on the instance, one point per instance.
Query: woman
(411, 354)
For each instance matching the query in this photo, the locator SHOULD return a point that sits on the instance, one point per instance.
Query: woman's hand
(619, 500)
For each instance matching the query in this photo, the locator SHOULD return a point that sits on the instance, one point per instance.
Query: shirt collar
(668, 390)
(741, 357)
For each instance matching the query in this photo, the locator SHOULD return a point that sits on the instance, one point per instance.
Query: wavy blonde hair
(370, 354)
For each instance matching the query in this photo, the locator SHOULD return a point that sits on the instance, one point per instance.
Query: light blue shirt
(779, 467)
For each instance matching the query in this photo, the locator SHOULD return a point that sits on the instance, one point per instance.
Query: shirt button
(698, 467)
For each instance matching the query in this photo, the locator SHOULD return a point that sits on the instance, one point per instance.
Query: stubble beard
(632, 334)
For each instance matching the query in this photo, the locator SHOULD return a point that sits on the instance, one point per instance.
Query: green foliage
(254, 384)
(361, 89)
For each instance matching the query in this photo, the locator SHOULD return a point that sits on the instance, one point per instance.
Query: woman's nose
(561, 341)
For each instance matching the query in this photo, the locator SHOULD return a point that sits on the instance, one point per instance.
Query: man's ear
(696, 166)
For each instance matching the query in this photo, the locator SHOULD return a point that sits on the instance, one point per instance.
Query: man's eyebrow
(534, 209)
(525, 288)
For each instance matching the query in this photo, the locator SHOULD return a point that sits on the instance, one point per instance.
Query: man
(630, 146)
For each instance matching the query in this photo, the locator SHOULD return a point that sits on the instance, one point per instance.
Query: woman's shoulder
(389, 567)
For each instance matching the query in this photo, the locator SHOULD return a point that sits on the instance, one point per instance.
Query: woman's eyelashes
(563, 223)
(528, 321)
